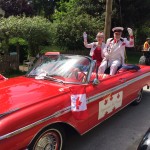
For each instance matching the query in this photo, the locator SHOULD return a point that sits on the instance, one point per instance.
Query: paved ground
(121, 132)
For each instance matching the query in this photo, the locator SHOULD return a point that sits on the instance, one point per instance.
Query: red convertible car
(61, 92)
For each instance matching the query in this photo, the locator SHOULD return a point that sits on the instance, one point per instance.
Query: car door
(105, 99)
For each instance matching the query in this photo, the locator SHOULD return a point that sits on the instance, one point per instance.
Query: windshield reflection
(63, 67)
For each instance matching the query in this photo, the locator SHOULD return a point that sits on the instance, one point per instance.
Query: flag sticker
(79, 103)
(110, 104)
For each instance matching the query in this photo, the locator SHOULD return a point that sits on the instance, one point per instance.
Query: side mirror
(96, 81)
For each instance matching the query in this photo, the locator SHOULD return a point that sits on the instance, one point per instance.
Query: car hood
(19, 92)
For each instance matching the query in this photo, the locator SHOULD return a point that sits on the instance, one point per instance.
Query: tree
(94, 8)
(36, 31)
(134, 14)
(16, 7)
(70, 25)
(108, 18)
(45, 8)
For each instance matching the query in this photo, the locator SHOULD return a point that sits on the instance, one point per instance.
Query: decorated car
(62, 92)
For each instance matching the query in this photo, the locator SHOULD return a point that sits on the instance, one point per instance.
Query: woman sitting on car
(96, 47)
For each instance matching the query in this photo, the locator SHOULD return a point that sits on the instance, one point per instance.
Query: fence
(8, 62)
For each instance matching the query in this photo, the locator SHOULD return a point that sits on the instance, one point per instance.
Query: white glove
(85, 36)
(130, 31)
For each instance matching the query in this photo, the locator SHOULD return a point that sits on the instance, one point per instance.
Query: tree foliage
(71, 24)
(71, 17)
(43, 8)
(16, 7)
(36, 31)
(69, 31)
(134, 14)
(94, 8)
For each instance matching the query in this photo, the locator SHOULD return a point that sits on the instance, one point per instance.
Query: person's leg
(102, 67)
(114, 66)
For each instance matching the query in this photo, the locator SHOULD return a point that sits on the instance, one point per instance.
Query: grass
(133, 57)
(13, 73)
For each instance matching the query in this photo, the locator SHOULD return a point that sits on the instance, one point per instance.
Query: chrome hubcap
(49, 141)
(139, 96)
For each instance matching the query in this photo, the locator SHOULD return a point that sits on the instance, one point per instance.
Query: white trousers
(113, 64)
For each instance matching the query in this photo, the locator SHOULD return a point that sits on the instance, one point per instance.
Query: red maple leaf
(106, 102)
(111, 98)
(118, 96)
(78, 103)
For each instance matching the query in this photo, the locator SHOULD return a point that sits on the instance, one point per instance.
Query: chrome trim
(90, 70)
(109, 91)
(68, 109)
(8, 112)
(56, 114)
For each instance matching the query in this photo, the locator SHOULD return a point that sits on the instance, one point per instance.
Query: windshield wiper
(30, 75)
(47, 77)
(50, 77)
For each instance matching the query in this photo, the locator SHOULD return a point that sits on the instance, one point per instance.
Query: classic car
(145, 142)
(62, 92)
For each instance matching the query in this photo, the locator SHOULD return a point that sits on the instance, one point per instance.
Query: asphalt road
(123, 131)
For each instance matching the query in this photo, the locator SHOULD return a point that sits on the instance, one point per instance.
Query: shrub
(35, 31)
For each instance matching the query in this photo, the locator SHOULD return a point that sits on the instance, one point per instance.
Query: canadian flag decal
(79, 103)
(110, 104)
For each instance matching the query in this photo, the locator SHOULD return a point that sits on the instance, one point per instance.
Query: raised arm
(85, 41)
(130, 42)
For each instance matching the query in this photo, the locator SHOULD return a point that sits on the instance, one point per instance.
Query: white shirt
(93, 47)
(116, 51)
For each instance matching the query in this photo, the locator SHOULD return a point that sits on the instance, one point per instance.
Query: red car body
(29, 107)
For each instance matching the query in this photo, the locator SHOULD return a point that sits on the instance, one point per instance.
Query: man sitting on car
(114, 51)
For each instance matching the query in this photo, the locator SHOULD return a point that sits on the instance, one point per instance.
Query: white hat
(119, 29)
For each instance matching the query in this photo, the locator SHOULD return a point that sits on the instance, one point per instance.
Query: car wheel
(50, 139)
(142, 60)
(139, 98)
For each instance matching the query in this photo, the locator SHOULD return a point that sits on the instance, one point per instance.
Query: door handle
(122, 79)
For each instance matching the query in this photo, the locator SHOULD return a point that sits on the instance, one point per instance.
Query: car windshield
(61, 68)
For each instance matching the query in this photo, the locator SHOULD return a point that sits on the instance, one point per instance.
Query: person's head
(100, 36)
(117, 32)
(148, 40)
